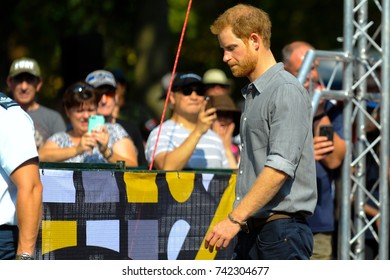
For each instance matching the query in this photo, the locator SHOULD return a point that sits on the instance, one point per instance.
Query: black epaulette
(7, 102)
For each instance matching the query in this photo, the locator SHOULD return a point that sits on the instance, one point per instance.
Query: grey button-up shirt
(276, 131)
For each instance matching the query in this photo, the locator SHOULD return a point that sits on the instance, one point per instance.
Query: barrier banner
(105, 214)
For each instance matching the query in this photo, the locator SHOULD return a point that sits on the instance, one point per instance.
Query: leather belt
(259, 222)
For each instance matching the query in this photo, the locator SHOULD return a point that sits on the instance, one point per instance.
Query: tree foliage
(141, 37)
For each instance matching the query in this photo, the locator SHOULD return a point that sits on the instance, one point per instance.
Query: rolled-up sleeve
(289, 125)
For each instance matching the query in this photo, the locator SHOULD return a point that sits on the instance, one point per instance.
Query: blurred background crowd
(138, 40)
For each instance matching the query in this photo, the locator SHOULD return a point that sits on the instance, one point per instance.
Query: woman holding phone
(102, 143)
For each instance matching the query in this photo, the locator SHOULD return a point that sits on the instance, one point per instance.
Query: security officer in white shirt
(20, 185)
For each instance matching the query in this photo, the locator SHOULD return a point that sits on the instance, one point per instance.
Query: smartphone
(95, 121)
(210, 102)
(327, 130)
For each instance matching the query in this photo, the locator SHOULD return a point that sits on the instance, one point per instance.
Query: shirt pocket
(257, 133)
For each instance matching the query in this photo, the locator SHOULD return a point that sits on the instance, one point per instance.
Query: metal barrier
(364, 68)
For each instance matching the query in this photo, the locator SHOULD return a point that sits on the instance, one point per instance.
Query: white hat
(101, 78)
(215, 76)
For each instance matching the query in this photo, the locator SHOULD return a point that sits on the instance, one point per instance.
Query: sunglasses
(217, 85)
(225, 114)
(28, 78)
(108, 93)
(188, 91)
(84, 91)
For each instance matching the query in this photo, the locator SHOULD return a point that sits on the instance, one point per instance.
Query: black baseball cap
(185, 79)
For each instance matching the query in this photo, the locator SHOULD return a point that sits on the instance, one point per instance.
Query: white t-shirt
(17, 145)
(209, 152)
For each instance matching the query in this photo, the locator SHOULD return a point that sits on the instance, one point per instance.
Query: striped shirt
(208, 154)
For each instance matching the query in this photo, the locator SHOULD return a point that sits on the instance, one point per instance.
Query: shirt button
(241, 171)
(238, 198)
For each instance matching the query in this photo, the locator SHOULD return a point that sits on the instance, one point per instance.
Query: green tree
(141, 38)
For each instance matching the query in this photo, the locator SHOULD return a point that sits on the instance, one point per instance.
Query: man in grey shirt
(276, 181)
(24, 82)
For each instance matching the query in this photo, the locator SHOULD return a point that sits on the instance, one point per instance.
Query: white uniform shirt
(17, 145)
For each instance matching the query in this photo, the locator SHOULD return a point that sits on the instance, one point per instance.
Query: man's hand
(205, 119)
(322, 147)
(221, 235)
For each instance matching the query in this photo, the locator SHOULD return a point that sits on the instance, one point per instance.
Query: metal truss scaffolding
(364, 68)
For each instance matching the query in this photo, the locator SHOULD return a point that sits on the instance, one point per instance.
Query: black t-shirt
(135, 135)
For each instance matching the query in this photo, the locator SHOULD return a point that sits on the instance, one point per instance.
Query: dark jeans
(283, 239)
(8, 242)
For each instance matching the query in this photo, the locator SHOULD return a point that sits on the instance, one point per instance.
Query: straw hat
(215, 77)
(224, 103)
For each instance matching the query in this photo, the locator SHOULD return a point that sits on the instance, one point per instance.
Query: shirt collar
(261, 82)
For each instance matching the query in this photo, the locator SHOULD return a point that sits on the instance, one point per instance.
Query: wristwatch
(243, 225)
(108, 153)
(24, 256)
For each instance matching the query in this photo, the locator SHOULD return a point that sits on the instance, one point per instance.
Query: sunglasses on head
(188, 91)
(84, 91)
